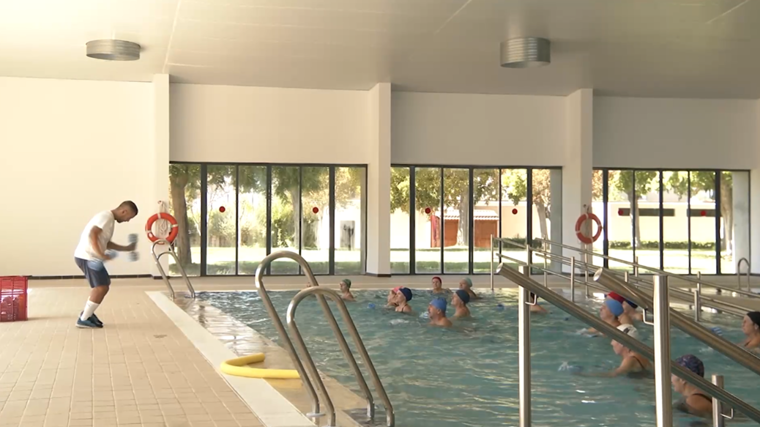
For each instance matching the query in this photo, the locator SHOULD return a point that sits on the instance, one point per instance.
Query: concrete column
(160, 164)
(741, 216)
(754, 178)
(577, 170)
(379, 181)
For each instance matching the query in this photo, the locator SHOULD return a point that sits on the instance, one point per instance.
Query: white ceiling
(652, 48)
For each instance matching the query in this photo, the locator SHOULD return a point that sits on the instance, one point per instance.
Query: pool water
(468, 375)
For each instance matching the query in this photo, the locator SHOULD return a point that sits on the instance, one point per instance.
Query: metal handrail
(308, 385)
(173, 254)
(739, 273)
(591, 268)
(291, 315)
(657, 271)
(690, 327)
(634, 344)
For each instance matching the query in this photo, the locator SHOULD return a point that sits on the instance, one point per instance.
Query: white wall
(69, 149)
(675, 133)
(468, 129)
(254, 124)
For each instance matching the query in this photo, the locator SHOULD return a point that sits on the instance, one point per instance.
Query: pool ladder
(304, 364)
(173, 254)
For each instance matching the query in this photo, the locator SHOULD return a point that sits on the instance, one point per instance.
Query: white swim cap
(629, 330)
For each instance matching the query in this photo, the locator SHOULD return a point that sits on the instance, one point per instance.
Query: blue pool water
(467, 375)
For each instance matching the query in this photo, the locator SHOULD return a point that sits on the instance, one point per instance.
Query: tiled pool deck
(155, 363)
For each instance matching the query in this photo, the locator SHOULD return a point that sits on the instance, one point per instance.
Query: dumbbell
(133, 256)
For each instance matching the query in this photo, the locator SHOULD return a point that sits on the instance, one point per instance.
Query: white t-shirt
(105, 221)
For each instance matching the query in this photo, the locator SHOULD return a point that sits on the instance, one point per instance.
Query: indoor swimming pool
(467, 375)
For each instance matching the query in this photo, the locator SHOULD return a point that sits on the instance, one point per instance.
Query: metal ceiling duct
(526, 52)
(113, 50)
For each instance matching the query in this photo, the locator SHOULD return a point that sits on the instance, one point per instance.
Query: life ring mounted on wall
(579, 225)
(165, 216)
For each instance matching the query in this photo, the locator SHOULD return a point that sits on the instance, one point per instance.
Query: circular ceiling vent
(526, 52)
(113, 50)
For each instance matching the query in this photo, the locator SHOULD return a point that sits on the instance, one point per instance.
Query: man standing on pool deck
(90, 255)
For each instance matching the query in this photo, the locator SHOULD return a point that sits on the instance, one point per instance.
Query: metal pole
(572, 279)
(698, 303)
(492, 263)
(664, 400)
(585, 270)
(546, 275)
(636, 266)
(524, 357)
(717, 411)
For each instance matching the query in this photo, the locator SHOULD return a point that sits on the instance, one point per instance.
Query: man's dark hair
(129, 204)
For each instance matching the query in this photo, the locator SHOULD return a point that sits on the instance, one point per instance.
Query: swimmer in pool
(631, 309)
(751, 328)
(438, 286)
(610, 313)
(403, 296)
(437, 313)
(459, 300)
(345, 288)
(693, 402)
(466, 285)
(631, 364)
(535, 308)
(623, 318)
(391, 300)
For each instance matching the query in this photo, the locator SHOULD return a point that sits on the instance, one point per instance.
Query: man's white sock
(89, 309)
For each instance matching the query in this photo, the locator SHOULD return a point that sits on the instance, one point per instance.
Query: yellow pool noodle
(237, 367)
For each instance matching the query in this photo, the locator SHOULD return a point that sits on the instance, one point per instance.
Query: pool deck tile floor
(141, 369)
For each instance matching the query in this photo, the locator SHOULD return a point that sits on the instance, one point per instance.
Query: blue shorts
(96, 277)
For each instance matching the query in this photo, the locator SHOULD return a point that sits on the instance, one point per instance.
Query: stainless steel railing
(586, 268)
(739, 273)
(173, 254)
(661, 359)
(311, 380)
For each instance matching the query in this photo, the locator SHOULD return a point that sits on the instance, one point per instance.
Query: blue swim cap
(464, 296)
(615, 307)
(407, 293)
(439, 303)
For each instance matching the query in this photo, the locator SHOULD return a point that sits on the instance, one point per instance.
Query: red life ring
(172, 234)
(578, 232)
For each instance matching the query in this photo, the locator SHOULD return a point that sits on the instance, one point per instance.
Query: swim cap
(347, 282)
(407, 293)
(464, 296)
(754, 316)
(632, 304)
(396, 289)
(437, 278)
(615, 307)
(439, 303)
(616, 297)
(468, 281)
(692, 363)
(629, 330)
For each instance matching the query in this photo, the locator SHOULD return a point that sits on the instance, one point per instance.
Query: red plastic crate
(13, 298)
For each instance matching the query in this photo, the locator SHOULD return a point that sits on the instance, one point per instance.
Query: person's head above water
(610, 310)
(629, 330)
(437, 307)
(465, 283)
(460, 297)
(345, 285)
(692, 363)
(405, 292)
(751, 323)
(436, 282)
(615, 296)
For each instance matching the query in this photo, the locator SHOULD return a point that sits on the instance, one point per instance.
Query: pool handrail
(587, 267)
(358, 343)
(526, 283)
(739, 273)
(173, 254)
(314, 393)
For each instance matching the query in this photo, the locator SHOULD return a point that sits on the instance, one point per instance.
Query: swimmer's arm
(625, 367)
